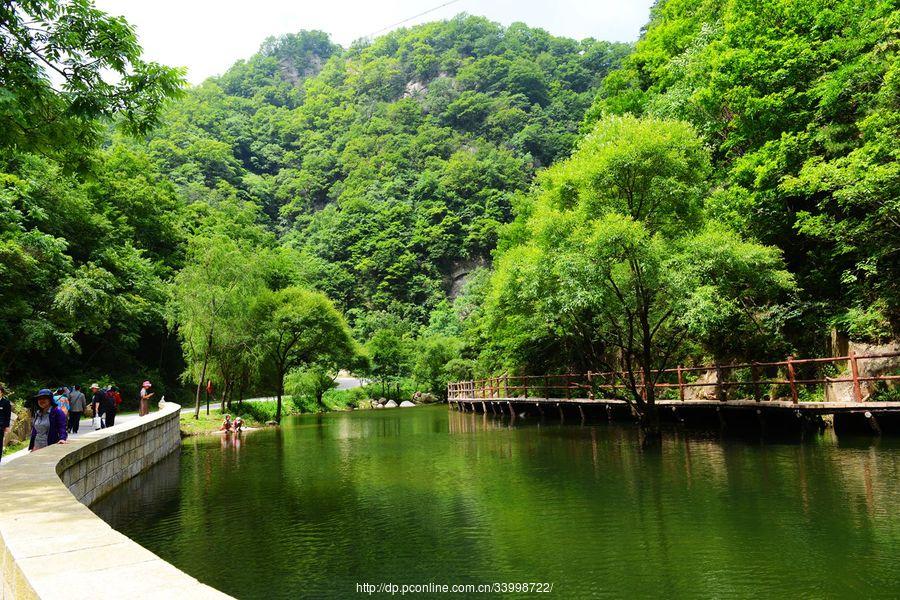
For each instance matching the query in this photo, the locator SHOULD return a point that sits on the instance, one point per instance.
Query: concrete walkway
(86, 426)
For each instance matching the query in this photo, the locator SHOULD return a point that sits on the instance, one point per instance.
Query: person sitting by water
(238, 424)
(226, 424)
(48, 424)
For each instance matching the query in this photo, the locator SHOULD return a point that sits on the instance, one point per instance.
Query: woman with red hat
(146, 394)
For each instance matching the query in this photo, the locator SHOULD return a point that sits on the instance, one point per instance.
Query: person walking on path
(98, 400)
(146, 394)
(61, 399)
(48, 425)
(77, 404)
(113, 400)
(5, 416)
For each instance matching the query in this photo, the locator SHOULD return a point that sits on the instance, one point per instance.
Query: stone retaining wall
(53, 546)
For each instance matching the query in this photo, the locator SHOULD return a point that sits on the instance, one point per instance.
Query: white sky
(208, 36)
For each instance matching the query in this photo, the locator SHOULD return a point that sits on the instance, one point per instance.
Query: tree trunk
(200, 385)
(651, 434)
(280, 393)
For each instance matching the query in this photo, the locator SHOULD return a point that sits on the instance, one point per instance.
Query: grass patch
(13, 448)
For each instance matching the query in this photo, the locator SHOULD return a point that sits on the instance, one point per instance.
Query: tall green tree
(389, 350)
(616, 264)
(210, 302)
(301, 329)
(798, 102)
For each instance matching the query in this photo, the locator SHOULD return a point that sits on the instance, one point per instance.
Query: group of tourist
(56, 414)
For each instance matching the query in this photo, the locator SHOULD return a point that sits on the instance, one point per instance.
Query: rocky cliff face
(843, 391)
(20, 427)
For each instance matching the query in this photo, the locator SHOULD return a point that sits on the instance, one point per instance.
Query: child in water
(226, 425)
(238, 424)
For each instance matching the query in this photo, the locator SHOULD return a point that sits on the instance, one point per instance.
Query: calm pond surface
(427, 495)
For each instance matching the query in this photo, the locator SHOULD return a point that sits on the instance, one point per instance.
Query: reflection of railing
(740, 380)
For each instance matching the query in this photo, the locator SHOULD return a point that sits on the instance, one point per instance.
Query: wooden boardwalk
(767, 405)
(764, 417)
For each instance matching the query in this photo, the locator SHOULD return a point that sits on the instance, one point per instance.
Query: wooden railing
(745, 380)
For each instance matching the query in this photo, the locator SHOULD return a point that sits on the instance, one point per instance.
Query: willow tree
(211, 301)
(614, 254)
(300, 329)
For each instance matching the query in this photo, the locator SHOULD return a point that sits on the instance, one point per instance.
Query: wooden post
(790, 370)
(754, 372)
(590, 385)
(720, 396)
(680, 385)
(854, 370)
(643, 385)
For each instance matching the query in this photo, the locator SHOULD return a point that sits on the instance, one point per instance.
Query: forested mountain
(379, 174)
(392, 163)
(471, 197)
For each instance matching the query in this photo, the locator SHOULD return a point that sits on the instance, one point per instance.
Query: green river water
(425, 495)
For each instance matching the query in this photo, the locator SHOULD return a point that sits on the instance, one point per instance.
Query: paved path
(349, 382)
(86, 426)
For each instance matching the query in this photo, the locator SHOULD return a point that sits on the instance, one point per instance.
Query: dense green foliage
(447, 200)
(58, 60)
(86, 237)
(614, 263)
(800, 103)
(391, 164)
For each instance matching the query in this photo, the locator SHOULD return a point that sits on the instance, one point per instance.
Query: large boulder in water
(390, 404)
(406, 404)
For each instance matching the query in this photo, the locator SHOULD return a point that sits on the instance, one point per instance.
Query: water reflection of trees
(727, 502)
(428, 491)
